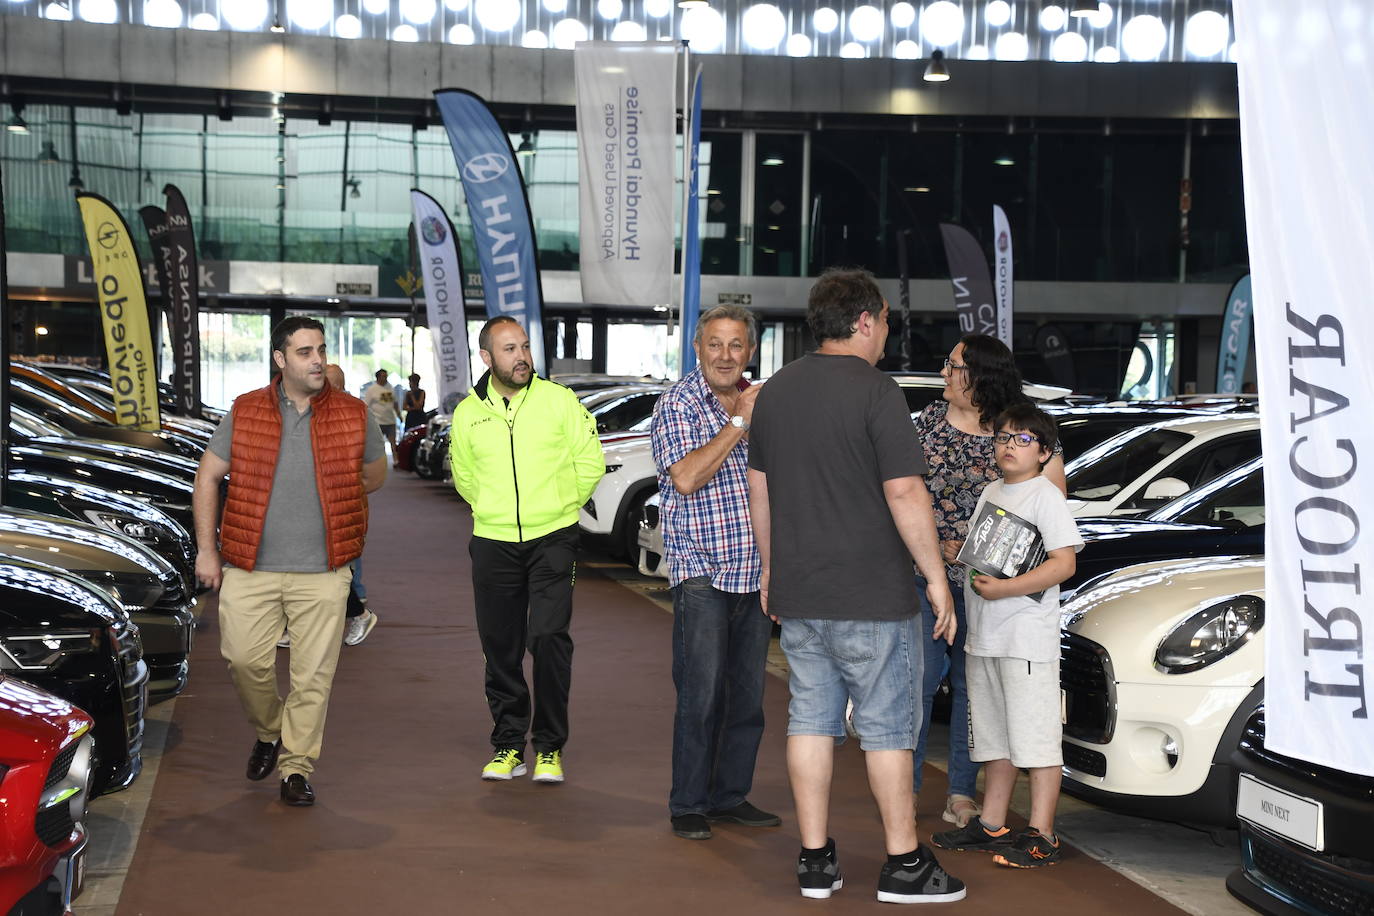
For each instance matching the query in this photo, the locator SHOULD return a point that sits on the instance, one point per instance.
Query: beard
(508, 378)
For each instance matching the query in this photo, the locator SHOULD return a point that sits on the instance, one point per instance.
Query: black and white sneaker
(819, 875)
(920, 880)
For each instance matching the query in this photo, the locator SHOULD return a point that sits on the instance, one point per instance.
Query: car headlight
(133, 591)
(137, 529)
(1210, 634)
(41, 650)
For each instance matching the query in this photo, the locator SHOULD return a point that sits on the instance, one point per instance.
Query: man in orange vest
(301, 456)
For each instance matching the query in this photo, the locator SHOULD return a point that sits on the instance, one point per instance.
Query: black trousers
(523, 595)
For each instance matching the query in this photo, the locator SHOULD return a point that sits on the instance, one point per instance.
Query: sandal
(960, 809)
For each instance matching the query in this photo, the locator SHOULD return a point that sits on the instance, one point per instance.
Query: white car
(1160, 665)
(1141, 469)
(611, 517)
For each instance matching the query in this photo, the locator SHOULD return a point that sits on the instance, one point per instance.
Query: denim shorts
(875, 663)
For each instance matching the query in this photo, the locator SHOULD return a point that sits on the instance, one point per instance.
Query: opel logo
(486, 167)
(107, 235)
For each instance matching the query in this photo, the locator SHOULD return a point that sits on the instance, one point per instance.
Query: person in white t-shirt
(380, 398)
(1012, 650)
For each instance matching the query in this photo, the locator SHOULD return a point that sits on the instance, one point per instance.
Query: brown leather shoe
(263, 759)
(296, 791)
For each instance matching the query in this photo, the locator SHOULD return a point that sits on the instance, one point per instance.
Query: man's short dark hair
(379, 373)
(484, 335)
(1025, 417)
(288, 326)
(838, 297)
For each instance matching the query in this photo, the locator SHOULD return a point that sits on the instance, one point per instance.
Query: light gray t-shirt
(293, 531)
(1022, 627)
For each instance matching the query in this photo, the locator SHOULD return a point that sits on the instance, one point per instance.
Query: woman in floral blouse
(981, 380)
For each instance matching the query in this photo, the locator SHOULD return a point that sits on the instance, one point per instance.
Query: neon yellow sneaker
(506, 764)
(548, 766)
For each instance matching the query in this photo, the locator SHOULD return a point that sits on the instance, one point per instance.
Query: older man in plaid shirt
(720, 634)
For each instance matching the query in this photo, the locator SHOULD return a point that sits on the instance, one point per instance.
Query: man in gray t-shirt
(839, 512)
(280, 551)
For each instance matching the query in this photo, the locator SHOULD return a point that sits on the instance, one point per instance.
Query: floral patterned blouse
(960, 466)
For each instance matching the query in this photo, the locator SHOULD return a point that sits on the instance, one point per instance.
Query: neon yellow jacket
(527, 466)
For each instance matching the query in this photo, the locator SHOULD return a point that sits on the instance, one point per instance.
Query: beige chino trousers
(254, 608)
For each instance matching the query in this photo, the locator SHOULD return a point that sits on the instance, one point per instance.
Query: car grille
(54, 824)
(1085, 675)
(1341, 783)
(1090, 762)
(134, 682)
(1303, 878)
(58, 771)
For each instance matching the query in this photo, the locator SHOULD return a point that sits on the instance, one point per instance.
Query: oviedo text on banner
(442, 270)
(626, 121)
(502, 230)
(1309, 209)
(132, 362)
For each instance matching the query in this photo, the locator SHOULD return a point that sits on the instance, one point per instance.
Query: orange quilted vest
(338, 434)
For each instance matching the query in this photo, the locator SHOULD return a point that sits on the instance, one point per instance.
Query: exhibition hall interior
(1077, 208)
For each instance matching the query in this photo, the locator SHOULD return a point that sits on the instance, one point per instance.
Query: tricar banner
(502, 229)
(968, 271)
(626, 120)
(1234, 349)
(123, 313)
(442, 270)
(1309, 208)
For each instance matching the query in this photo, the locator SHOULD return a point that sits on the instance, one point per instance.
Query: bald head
(334, 374)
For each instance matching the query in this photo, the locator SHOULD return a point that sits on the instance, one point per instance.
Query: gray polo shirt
(293, 532)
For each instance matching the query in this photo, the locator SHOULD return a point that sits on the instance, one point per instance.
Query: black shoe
(973, 836)
(819, 875)
(920, 880)
(746, 814)
(691, 826)
(263, 759)
(1032, 849)
(296, 791)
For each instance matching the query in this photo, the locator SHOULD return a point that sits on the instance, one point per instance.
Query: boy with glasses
(1012, 648)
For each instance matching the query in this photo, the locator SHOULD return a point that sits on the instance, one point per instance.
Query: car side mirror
(1165, 488)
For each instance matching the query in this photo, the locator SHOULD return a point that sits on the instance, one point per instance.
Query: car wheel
(629, 539)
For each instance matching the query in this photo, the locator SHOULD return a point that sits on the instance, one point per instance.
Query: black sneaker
(974, 836)
(919, 881)
(1032, 849)
(819, 876)
(746, 814)
(691, 826)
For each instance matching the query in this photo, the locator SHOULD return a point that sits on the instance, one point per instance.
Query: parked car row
(97, 612)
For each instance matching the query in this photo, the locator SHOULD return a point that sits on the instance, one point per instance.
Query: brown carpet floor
(403, 824)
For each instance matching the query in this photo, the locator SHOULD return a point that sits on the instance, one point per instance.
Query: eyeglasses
(950, 365)
(1022, 440)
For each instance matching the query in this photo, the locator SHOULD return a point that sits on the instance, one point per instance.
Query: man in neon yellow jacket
(525, 456)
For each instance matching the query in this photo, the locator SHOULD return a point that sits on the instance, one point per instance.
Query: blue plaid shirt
(706, 533)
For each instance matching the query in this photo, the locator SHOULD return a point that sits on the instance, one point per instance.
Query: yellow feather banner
(123, 313)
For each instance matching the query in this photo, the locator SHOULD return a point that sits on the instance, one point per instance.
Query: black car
(1327, 871)
(79, 422)
(22, 433)
(71, 639)
(1224, 517)
(59, 497)
(170, 494)
(146, 587)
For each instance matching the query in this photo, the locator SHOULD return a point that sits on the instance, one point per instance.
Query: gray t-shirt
(828, 431)
(293, 531)
(1022, 627)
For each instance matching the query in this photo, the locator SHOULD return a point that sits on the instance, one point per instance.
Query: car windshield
(1101, 472)
(918, 396)
(31, 424)
(51, 402)
(1234, 500)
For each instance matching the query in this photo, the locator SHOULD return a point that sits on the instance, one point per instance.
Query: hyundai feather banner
(502, 230)
(974, 303)
(442, 269)
(1309, 209)
(123, 313)
(182, 296)
(626, 127)
(1002, 272)
(1234, 350)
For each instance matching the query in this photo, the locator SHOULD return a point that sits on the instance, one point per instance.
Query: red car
(405, 449)
(45, 776)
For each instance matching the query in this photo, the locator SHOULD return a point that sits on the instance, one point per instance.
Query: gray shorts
(1013, 711)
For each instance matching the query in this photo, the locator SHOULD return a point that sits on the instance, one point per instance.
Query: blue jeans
(941, 657)
(720, 648)
(875, 663)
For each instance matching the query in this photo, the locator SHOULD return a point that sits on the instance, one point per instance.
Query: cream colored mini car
(1160, 664)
